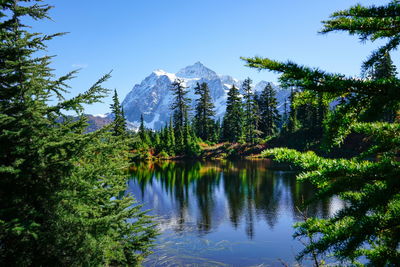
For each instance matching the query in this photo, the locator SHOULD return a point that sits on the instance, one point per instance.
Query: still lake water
(224, 213)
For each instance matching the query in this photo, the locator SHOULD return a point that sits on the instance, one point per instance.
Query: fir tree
(250, 112)
(269, 114)
(203, 119)
(190, 143)
(232, 125)
(143, 132)
(180, 108)
(216, 131)
(368, 226)
(119, 126)
(58, 186)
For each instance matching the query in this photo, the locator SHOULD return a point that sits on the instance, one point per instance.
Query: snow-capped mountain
(153, 96)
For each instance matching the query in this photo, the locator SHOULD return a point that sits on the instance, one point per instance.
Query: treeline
(250, 118)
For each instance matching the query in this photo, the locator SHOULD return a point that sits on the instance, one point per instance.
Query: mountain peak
(197, 70)
(153, 96)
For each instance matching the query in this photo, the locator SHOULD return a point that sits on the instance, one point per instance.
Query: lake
(225, 213)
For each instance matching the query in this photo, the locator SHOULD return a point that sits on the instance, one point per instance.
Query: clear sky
(135, 37)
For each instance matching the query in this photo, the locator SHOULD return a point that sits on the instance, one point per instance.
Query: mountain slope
(153, 97)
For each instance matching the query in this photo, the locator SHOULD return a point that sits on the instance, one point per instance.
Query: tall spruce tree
(180, 108)
(203, 119)
(369, 225)
(233, 121)
(269, 114)
(250, 112)
(119, 125)
(59, 187)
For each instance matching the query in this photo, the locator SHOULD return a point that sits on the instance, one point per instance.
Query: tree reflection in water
(201, 195)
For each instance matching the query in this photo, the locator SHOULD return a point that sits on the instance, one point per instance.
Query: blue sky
(133, 38)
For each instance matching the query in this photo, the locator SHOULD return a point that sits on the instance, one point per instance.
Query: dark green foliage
(203, 119)
(180, 108)
(250, 112)
(311, 110)
(191, 146)
(119, 127)
(368, 226)
(144, 133)
(58, 186)
(216, 131)
(94, 215)
(322, 111)
(233, 122)
(170, 136)
(383, 68)
(292, 121)
(285, 115)
(269, 115)
(183, 135)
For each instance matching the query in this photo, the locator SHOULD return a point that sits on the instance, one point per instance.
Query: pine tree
(58, 186)
(232, 125)
(119, 126)
(204, 123)
(250, 112)
(368, 226)
(180, 108)
(269, 114)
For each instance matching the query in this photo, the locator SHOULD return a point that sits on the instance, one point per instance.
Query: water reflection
(227, 200)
